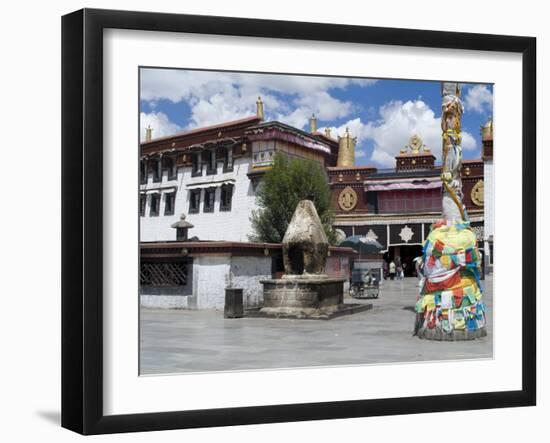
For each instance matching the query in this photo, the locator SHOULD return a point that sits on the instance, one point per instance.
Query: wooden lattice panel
(163, 274)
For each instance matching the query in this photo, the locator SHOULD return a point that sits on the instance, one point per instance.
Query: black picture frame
(82, 215)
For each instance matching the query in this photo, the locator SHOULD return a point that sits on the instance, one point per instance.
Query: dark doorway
(404, 254)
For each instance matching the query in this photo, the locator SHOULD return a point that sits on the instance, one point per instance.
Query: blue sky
(382, 114)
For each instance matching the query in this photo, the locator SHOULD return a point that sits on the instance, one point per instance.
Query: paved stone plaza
(175, 341)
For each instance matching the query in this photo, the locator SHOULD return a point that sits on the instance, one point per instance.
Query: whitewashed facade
(218, 224)
(210, 176)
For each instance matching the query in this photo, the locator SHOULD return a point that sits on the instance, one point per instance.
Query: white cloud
(360, 153)
(468, 141)
(397, 123)
(160, 123)
(479, 99)
(215, 97)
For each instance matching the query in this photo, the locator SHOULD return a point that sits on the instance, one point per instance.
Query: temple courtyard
(177, 341)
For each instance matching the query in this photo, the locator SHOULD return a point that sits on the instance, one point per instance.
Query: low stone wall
(208, 278)
(215, 266)
(246, 273)
(168, 297)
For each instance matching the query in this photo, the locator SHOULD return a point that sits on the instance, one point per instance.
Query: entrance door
(405, 254)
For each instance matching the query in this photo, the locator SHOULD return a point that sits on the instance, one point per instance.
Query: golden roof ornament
(148, 133)
(487, 130)
(414, 146)
(347, 200)
(346, 150)
(313, 124)
(415, 143)
(260, 108)
(478, 193)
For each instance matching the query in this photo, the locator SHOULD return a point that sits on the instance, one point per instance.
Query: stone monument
(305, 291)
(449, 306)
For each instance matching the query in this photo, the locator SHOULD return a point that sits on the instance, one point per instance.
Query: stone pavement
(176, 341)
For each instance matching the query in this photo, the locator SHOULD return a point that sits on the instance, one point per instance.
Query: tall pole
(451, 121)
(449, 305)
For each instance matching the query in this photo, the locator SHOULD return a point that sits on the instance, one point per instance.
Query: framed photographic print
(270, 221)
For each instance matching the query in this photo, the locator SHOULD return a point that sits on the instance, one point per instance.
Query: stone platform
(455, 335)
(314, 297)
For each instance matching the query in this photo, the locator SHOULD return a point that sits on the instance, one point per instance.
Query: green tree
(287, 182)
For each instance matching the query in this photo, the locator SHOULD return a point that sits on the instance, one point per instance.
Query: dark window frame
(154, 209)
(169, 196)
(192, 208)
(142, 204)
(142, 172)
(196, 165)
(211, 166)
(228, 166)
(207, 192)
(156, 170)
(224, 189)
(169, 163)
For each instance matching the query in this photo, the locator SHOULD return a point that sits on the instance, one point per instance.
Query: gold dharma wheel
(478, 193)
(347, 200)
(415, 143)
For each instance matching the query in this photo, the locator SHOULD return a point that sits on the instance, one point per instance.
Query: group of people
(394, 269)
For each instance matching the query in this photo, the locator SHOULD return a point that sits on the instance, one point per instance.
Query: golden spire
(487, 130)
(313, 124)
(260, 108)
(148, 133)
(346, 150)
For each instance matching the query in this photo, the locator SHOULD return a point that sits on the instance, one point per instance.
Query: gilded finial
(148, 133)
(260, 108)
(346, 150)
(313, 124)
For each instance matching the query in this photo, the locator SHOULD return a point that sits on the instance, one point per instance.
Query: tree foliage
(287, 182)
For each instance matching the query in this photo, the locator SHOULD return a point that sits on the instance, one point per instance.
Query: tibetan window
(143, 172)
(169, 201)
(196, 165)
(225, 197)
(154, 168)
(208, 159)
(169, 164)
(228, 160)
(194, 201)
(142, 203)
(155, 204)
(209, 199)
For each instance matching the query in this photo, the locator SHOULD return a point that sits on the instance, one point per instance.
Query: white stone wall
(208, 280)
(246, 273)
(164, 301)
(211, 275)
(233, 225)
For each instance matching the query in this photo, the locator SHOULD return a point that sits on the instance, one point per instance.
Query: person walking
(392, 270)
